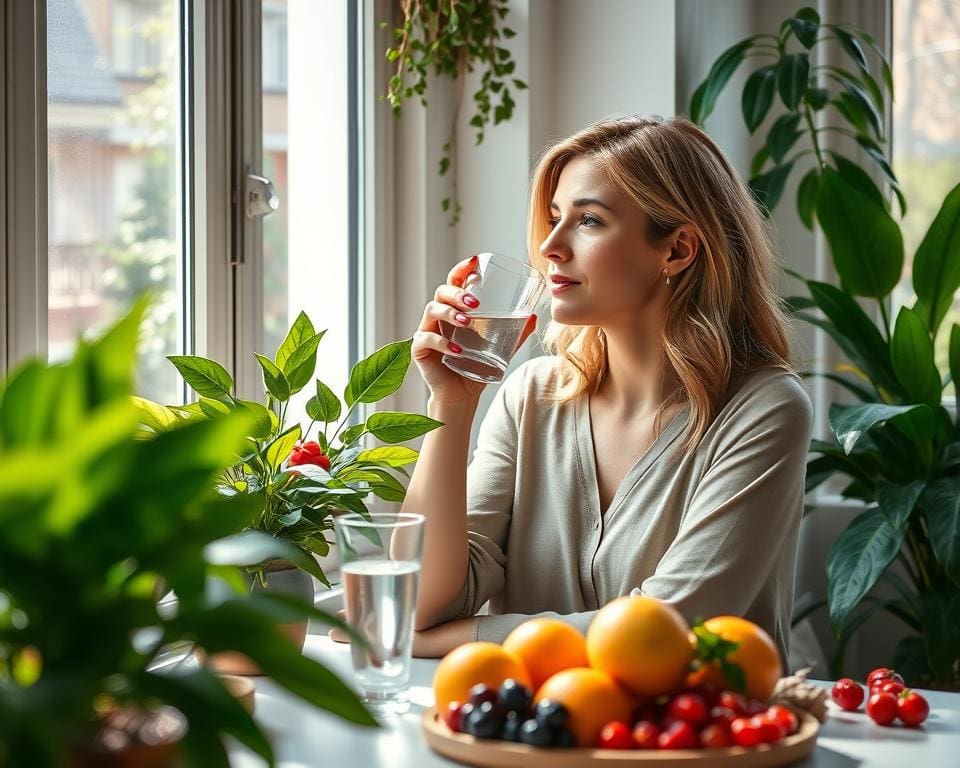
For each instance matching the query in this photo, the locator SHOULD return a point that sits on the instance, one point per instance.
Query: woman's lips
(559, 286)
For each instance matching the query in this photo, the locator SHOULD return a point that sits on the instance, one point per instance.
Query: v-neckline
(653, 452)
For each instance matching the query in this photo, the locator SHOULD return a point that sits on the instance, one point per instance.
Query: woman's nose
(554, 248)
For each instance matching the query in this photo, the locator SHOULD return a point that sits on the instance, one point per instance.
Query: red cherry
(770, 730)
(616, 735)
(722, 716)
(452, 717)
(645, 735)
(891, 686)
(879, 674)
(733, 701)
(882, 708)
(714, 737)
(745, 732)
(785, 717)
(912, 708)
(848, 694)
(680, 735)
(707, 691)
(689, 707)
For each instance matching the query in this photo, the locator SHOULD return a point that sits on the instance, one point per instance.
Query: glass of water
(380, 566)
(508, 291)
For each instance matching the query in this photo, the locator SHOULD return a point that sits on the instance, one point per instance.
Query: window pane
(113, 118)
(305, 154)
(926, 126)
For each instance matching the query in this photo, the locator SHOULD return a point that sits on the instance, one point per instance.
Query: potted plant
(96, 518)
(299, 478)
(897, 444)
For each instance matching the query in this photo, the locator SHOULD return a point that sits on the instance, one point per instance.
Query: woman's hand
(432, 643)
(452, 305)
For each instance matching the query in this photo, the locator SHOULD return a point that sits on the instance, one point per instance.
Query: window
(138, 43)
(274, 47)
(926, 126)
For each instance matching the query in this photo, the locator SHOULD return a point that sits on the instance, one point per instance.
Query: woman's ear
(684, 249)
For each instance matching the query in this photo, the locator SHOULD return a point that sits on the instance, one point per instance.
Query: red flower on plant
(309, 453)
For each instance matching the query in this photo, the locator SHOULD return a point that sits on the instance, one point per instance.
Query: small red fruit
(615, 735)
(452, 718)
(892, 686)
(785, 717)
(689, 707)
(912, 708)
(680, 735)
(645, 735)
(770, 730)
(714, 737)
(745, 732)
(881, 675)
(709, 692)
(722, 716)
(882, 708)
(848, 694)
(734, 701)
(755, 707)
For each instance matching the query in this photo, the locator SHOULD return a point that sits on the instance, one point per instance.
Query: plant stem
(886, 319)
(921, 566)
(808, 115)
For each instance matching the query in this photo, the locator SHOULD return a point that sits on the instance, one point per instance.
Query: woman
(660, 447)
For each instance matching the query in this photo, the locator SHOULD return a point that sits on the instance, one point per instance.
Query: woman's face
(601, 271)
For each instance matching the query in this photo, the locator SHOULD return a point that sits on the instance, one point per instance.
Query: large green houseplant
(898, 445)
(96, 520)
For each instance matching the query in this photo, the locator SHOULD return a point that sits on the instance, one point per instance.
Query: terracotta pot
(284, 578)
(134, 738)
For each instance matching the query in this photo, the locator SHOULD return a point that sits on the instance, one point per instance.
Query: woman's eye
(589, 220)
(553, 221)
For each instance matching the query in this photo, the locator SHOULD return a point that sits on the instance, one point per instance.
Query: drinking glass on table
(508, 291)
(380, 566)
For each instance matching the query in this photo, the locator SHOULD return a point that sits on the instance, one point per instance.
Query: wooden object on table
(489, 753)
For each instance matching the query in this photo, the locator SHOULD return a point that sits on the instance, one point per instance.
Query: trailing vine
(453, 38)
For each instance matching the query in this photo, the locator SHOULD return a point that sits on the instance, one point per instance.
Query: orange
(471, 664)
(642, 643)
(756, 654)
(591, 697)
(547, 646)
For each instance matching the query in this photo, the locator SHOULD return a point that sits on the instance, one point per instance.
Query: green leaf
(157, 417)
(758, 96)
(851, 422)
(793, 76)
(705, 97)
(301, 330)
(352, 433)
(302, 363)
(911, 352)
(768, 187)
(207, 377)
(936, 266)
(391, 427)
(866, 106)
(325, 406)
(278, 450)
(817, 98)
(869, 256)
(875, 153)
(859, 178)
(942, 505)
(852, 46)
(263, 419)
(380, 374)
(805, 28)
(807, 197)
(782, 136)
(387, 487)
(856, 560)
(247, 548)
(274, 381)
(394, 456)
(941, 632)
(759, 160)
(896, 502)
(955, 360)
(852, 386)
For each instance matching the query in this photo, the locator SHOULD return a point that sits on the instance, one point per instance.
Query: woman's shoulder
(769, 395)
(534, 376)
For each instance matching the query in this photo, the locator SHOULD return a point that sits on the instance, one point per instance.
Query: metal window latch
(262, 199)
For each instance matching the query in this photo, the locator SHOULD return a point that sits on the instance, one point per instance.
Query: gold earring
(667, 273)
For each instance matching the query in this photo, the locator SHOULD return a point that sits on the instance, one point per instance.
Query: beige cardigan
(713, 532)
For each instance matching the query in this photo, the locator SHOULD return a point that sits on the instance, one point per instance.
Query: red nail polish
(455, 348)
(471, 301)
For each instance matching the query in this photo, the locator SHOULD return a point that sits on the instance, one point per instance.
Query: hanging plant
(454, 38)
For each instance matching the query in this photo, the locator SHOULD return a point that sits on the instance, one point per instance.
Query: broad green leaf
(758, 96)
(859, 178)
(941, 632)
(301, 330)
(793, 77)
(300, 366)
(911, 352)
(207, 377)
(391, 427)
(380, 374)
(324, 406)
(852, 46)
(955, 361)
(158, 417)
(394, 456)
(274, 381)
(807, 197)
(896, 502)
(936, 266)
(869, 256)
(817, 98)
(856, 333)
(859, 99)
(881, 54)
(942, 505)
(875, 152)
(110, 362)
(758, 161)
(263, 419)
(247, 548)
(352, 433)
(782, 136)
(856, 560)
(851, 422)
(768, 187)
(278, 451)
(805, 27)
(705, 97)
(854, 387)
(387, 487)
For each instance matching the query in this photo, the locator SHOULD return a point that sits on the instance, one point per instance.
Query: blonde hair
(724, 318)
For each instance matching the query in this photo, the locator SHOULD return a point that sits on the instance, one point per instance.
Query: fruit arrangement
(641, 679)
(888, 699)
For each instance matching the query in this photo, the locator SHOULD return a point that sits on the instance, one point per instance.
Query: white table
(303, 736)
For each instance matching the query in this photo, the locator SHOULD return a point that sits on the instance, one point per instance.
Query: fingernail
(470, 300)
(455, 348)
(461, 318)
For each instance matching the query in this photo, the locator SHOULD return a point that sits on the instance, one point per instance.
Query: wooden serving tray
(489, 753)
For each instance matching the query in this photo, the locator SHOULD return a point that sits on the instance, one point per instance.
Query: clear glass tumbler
(380, 566)
(508, 291)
